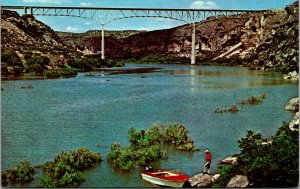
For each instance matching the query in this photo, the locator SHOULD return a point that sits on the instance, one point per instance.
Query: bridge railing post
(25, 10)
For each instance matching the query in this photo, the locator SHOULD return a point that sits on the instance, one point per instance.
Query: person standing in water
(208, 162)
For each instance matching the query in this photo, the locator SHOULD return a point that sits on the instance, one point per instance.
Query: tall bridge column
(193, 57)
(102, 44)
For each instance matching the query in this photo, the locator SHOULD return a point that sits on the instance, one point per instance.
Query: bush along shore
(63, 171)
(158, 59)
(20, 173)
(38, 65)
(146, 145)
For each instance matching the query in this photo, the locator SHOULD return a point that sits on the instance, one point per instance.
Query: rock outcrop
(278, 46)
(239, 181)
(201, 180)
(228, 161)
(292, 75)
(293, 105)
(215, 177)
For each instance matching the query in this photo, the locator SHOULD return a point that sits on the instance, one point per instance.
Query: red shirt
(208, 156)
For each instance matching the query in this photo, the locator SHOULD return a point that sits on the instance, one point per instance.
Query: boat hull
(164, 181)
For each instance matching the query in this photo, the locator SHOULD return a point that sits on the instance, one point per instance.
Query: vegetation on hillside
(39, 65)
(146, 145)
(274, 164)
(11, 62)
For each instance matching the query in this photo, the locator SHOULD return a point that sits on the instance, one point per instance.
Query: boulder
(294, 124)
(228, 161)
(293, 105)
(239, 181)
(292, 75)
(215, 177)
(201, 180)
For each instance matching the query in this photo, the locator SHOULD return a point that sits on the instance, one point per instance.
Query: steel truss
(107, 15)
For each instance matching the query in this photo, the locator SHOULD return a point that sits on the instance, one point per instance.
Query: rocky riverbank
(229, 169)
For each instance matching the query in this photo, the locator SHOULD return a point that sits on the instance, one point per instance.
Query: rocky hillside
(267, 40)
(279, 39)
(26, 36)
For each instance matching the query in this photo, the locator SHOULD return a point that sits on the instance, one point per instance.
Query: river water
(94, 112)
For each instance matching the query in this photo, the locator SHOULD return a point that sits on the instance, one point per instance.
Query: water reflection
(230, 77)
(193, 79)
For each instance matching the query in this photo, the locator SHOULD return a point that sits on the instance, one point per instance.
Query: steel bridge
(107, 15)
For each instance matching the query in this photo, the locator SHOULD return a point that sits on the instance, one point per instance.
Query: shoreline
(207, 180)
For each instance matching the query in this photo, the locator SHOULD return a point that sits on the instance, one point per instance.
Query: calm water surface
(66, 114)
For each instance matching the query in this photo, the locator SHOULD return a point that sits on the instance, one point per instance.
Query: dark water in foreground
(66, 114)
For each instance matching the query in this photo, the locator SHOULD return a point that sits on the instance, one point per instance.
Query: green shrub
(60, 175)
(158, 59)
(177, 134)
(125, 158)
(146, 145)
(20, 173)
(37, 64)
(134, 136)
(270, 165)
(64, 170)
(11, 62)
(81, 64)
(63, 72)
(90, 63)
(226, 172)
(121, 157)
(11, 58)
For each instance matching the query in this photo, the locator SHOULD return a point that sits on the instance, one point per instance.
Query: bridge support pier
(102, 43)
(193, 56)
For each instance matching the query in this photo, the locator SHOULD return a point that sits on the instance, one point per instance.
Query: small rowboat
(165, 178)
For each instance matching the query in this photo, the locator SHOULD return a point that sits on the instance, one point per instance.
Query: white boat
(165, 178)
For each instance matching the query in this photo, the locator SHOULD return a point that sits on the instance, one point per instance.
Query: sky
(79, 25)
